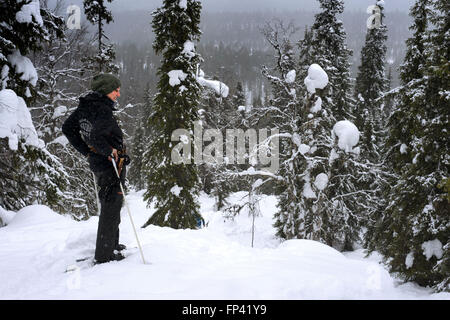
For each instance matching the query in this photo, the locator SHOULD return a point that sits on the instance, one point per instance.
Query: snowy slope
(216, 262)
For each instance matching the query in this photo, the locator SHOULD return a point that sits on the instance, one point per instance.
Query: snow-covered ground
(215, 262)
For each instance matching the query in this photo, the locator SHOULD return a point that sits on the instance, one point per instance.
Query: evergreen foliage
(414, 231)
(371, 84)
(29, 174)
(329, 50)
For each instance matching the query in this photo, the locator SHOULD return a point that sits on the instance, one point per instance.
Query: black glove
(126, 159)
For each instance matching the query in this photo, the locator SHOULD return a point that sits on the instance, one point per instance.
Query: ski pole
(128, 208)
(96, 194)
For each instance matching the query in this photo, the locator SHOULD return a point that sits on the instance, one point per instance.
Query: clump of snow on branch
(317, 105)
(59, 112)
(62, 140)
(23, 66)
(432, 248)
(220, 87)
(316, 79)
(183, 4)
(28, 11)
(176, 190)
(176, 76)
(15, 120)
(409, 260)
(188, 49)
(4, 74)
(403, 148)
(348, 135)
(290, 76)
(307, 190)
(321, 181)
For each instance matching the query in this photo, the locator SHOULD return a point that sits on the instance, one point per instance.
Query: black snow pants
(111, 200)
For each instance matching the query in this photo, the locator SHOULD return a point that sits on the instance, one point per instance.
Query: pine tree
(30, 173)
(437, 145)
(302, 207)
(23, 31)
(238, 99)
(331, 215)
(371, 84)
(329, 50)
(413, 233)
(97, 13)
(305, 127)
(174, 186)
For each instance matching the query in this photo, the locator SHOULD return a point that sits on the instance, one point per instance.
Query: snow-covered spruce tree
(238, 98)
(371, 84)
(329, 50)
(350, 201)
(174, 187)
(439, 73)
(348, 175)
(303, 204)
(97, 13)
(401, 124)
(24, 27)
(413, 234)
(29, 173)
(306, 143)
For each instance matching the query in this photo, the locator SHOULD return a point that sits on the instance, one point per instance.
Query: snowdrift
(216, 262)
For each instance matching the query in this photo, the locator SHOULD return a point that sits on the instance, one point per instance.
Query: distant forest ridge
(233, 46)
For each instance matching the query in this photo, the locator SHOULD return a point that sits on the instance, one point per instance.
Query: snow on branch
(15, 121)
(220, 87)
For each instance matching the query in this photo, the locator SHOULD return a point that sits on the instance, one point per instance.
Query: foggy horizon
(212, 6)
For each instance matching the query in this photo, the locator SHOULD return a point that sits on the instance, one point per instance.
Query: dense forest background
(234, 49)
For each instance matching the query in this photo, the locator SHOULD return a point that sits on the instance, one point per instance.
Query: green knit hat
(105, 83)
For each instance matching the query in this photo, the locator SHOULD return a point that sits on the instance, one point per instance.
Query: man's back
(93, 130)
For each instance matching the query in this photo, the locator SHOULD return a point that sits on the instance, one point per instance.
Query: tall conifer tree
(413, 234)
(175, 187)
(329, 50)
(371, 84)
(28, 173)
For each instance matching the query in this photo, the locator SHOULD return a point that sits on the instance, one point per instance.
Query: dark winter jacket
(93, 130)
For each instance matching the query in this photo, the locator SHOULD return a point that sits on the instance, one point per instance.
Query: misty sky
(254, 5)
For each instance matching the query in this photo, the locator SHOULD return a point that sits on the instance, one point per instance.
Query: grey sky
(254, 5)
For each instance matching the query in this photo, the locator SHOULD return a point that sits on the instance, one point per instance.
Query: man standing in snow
(93, 131)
